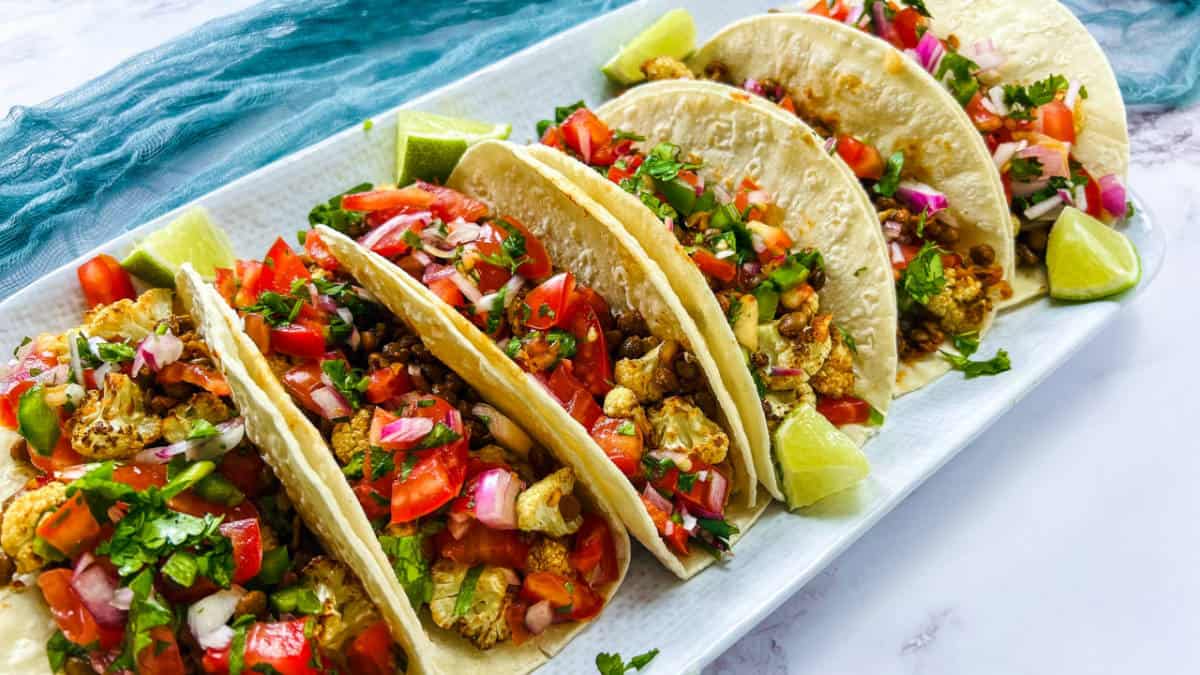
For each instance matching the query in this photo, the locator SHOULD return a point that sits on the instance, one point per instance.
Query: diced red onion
(1072, 94)
(929, 51)
(405, 430)
(680, 459)
(95, 588)
(539, 616)
(207, 618)
(757, 243)
(54, 376)
(229, 435)
(461, 232)
(504, 430)
(585, 147)
(777, 371)
(496, 498)
(669, 222)
(1043, 207)
(511, 287)
(1081, 201)
(1066, 196)
(883, 27)
(100, 375)
(751, 268)
(510, 577)
(345, 315)
(995, 96)
(422, 258)
(454, 420)
(1005, 151)
(897, 254)
(122, 598)
(469, 290)
(1112, 195)
(435, 272)
(985, 54)
(655, 498)
(400, 222)
(759, 197)
(313, 295)
(729, 253)
(921, 197)
(74, 472)
(715, 494)
(327, 304)
(1023, 189)
(331, 403)
(157, 351)
(754, 87)
(831, 144)
(855, 13)
(892, 230)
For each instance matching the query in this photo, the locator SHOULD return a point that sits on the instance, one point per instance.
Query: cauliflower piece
(114, 424)
(346, 610)
(680, 426)
(202, 406)
(549, 555)
(814, 345)
(621, 402)
(483, 623)
(353, 437)
(638, 375)
(962, 304)
(666, 68)
(539, 508)
(836, 377)
(129, 319)
(21, 520)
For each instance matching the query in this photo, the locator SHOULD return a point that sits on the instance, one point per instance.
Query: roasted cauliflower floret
(549, 555)
(666, 68)
(814, 345)
(836, 377)
(129, 319)
(621, 402)
(353, 437)
(21, 519)
(345, 608)
(962, 304)
(641, 375)
(549, 507)
(114, 424)
(483, 623)
(202, 406)
(680, 426)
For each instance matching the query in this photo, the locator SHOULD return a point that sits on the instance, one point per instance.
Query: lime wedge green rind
(816, 460)
(428, 146)
(1088, 260)
(674, 35)
(192, 237)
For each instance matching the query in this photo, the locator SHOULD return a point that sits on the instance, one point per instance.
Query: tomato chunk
(194, 373)
(318, 251)
(281, 645)
(246, 537)
(283, 267)
(435, 479)
(548, 302)
(450, 204)
(388, 383)
(584, 133)
(863, 159)
(594, 555)
(304, 340)
(370, 653)
(721, 269)
(72, 617)
(161, 656)
(412, 197)
(71, 529)
(622, 442)
(104, 281)
(1057, 121)
(483, 545)
(843, 411)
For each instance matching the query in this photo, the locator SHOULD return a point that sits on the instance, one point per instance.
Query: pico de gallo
(482, 527)
(1030, 127)
(766, 284)
(156, 534)
(644, 400)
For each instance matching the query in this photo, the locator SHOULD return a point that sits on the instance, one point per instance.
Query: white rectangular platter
(691, 623)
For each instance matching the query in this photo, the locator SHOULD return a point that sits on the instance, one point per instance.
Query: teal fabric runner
(183, 119)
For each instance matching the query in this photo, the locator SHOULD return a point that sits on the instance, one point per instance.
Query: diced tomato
(625, 450)
(591, 360)
(491, 243)
(906, 23)
(451, 204)
(226, 283)
(723, 270)
(161, 656)
(594, 555)
(584, 133)
(301, 381)
(617, 173)
(246, 537)
(548, 302)
(193, 504)
(787, 104)
(303, 340)
(843, 411)
(1091, 192)
(985, 120)
(480, 544)
(394, 243)
(514, 617)
(10, 399)
(104, 281)
(375, 496)
(141, 476)
(60, 458)
(951, 260)
(283, 267)
(537, 262)
(245, 469)
(838, 12)
(71, 529)
(370, 652)
(447, 292)
(72, 617)
(282, 645)
(775, 240)
(547, 586)
(902, 254)
(196, 374)
(742, 199)
(380, 418)
(319, 252)
(675, 536)
(553, 138)
(249, 274)
(863, 159)
(258, 331)
(435, 479)
(707, 496)
(410, 197)
(1056, 120)
(573, 395)
(384, 384)
(585, 296)
(215, 661)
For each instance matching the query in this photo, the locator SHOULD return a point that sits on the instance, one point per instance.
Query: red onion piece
(496, 498)
(892, 230)
(883, 27)
(435, 272)
(921, 197)
(754, 87)
(655, 498)
(716, 491)
(1066, 196)
(896, 252)
(400, 222)
(1053, 161)
(461, 232)
(929, 51)
(539, 617)
(1112, 195)
(786, 372)
(207, 618)
(331, 403)
(1072, 94)
(505, 431)
(406, 430)
(985, 55)
(96, 588)
(157, 351)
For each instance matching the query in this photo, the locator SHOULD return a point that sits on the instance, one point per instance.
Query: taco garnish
(156, 534)
(481, 526)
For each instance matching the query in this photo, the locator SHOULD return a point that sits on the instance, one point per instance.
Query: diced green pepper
(275, 564)
(679, 194)
(768, 301)
(37, 422)
(218, 490)
(193, 474)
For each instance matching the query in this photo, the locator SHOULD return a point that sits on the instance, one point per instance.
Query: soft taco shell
(440, 650)
(824, 207)
(582, 237)
(846, 79)
(1040, 38)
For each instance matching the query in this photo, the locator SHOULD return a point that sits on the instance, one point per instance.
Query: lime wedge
(428, 145)
(1088, 260)
(192, 238)
(816, 459)
(674, 35)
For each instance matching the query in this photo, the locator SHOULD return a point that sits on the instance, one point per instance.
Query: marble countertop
(1062, 540)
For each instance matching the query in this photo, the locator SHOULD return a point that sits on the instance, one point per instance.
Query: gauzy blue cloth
(1154, 46)
(183, 119)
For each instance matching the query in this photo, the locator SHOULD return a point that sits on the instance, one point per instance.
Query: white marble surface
(1062, 541)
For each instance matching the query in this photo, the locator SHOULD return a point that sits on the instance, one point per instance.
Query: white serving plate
(691, 623)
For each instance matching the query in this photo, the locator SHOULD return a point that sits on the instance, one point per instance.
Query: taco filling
(158, 537)
(766, 285)
(481, 526)
(644, 400)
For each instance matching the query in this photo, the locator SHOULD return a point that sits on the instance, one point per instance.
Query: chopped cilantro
(887, 185)
(627, 428)
(407, 556)
(620, 135)
(441, 435)
(924, 277)
(847, 338)
(565, 341)
(276, 309)
(350, 382)
(201, 428)
(561, 113)
(59, 649)
(662, 163)
(332, 214)
(612, 664)
(955, 71)
(410, 461)
(1025, 169)
(993, 366)
(686, 482)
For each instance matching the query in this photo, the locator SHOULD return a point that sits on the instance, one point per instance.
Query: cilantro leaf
(441, 435)
(970, 369)
(955, 71)
(332, 214)
(612, 664)
(924, 277)
(350, 382)
(201, 429)
(966, 343)
(561, 113)
(275, 309)
(1025, 169)
(887, 185)
(59, 649)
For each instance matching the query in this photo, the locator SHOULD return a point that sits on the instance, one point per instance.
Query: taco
(939, 199)
(500, 546)
(770, 244)
(142, 529)
(564, 309)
